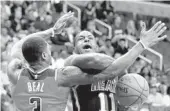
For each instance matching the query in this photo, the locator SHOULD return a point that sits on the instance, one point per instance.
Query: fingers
(64, 24)
(162, 38)
(162, 30)
(68, 15)
(160, 27)
(155, 26)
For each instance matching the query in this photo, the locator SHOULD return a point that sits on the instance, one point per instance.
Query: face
(153, 90)
(85, 43)
(163, 89)
(117, 20)
(89, 6)
(145, 70)
(90, 25)
(108, 43)
(121, 43)
(153, 80)
(48, 19)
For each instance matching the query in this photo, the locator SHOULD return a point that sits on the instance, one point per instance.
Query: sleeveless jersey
(98, 96)
(39, 94)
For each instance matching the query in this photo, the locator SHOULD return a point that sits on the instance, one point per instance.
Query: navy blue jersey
(95, 97)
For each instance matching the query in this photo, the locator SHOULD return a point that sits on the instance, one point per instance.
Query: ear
(44, 56)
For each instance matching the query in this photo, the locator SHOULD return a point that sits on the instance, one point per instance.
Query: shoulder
(13, 78)
(15, 68)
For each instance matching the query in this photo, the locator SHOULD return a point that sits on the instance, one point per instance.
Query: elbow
(95, 59)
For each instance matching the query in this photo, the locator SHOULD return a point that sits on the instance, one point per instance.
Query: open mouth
(87, 47)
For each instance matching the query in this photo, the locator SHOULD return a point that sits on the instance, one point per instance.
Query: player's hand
(153, 35)
(61, 22)
(17, 63)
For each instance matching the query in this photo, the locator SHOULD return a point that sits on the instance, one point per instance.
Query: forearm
(89, 61)
(16, 51)
(122, 63)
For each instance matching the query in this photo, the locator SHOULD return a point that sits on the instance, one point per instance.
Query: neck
(38, 66)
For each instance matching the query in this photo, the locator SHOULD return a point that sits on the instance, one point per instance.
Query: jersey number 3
(37, 102)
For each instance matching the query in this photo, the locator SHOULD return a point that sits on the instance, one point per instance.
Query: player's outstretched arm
(71, 75)
(14, 69)
(16, 51)
(103, 62)
(89, 61)
(147, 39)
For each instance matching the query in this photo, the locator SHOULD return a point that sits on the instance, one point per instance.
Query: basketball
(131, 90)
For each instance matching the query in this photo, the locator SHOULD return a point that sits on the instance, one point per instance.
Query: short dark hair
(33, 48)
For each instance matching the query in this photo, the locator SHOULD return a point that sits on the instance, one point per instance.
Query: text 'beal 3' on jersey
(39, 92)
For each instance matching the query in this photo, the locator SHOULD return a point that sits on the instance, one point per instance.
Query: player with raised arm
(100, 95)
(38, 81)
(35, 86)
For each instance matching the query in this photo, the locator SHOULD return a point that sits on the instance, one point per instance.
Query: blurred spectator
(44, 24)
(88, 13)
(154, 98)
(110, 18)
(4, 38)
(5, 11)
(165, 96)
(107, 7)
(58, 6)
(91, 26)
(121, 47)
(32, 11)
(117, 55)
(153, 81)
(106, 47)
(109, 47)
(99, 11)
(152, 22)
(142, 63)
(145, 71)
(31, 28)
(117, 26)
(131, 29)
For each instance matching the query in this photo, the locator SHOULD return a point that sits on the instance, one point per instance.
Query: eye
(81, 38)
(91, 38)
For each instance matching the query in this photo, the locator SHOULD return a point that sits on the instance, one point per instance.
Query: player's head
(36, 51)
(85, 42)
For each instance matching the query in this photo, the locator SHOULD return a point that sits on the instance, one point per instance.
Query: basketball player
(99, 96)
(30, 83)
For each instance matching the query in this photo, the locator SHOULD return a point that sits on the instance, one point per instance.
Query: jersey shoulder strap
(20, 73)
